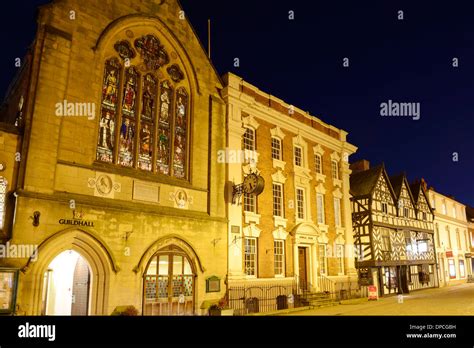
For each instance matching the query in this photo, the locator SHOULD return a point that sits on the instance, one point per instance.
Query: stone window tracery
(144, 117)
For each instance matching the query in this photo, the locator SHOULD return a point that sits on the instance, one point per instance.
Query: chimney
(424, 184)
(360, 166)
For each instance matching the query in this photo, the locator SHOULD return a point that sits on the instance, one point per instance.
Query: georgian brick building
(299, 228)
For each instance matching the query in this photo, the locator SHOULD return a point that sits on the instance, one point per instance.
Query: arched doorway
(169, 283)
(66, 285)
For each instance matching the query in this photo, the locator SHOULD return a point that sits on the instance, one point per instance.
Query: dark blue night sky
(300, 61)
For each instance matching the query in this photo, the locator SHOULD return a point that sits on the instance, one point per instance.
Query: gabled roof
(415, 189)
(397, 183)
(363, 183)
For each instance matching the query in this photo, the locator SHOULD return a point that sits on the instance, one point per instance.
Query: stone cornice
(276, 118)
(119, 206)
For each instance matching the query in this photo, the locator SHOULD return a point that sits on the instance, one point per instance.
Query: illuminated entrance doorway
(169, 284)
(66, 285)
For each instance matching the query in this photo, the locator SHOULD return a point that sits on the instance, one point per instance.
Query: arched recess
(129, 22)
(170, 240)
(96, 253)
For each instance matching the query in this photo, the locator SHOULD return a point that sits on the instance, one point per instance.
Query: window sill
(279, 164)
(321, 177)
(323, 228)
(302, 171)
(279, 221)
(337, 183)
(251, 217)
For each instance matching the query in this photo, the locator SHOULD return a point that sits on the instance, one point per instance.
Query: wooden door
(80, 288)
(303, 268)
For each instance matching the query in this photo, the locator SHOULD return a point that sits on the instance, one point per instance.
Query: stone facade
(119, 227)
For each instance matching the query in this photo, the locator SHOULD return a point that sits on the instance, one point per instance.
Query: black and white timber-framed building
(393, 231)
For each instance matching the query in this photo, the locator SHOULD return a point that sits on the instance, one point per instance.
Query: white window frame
(248, 253)
(248, 143)
(318, 163)
(320, 208)
(462, 270)
(250, 200)
(322, 257)
(452, 269)
(337, 212)
(278, 198)
(303, 203)
(335, 169)
(340, 258)
(450, 243)
(276, 255)
(458, 239)
(301, 157)
(384, 211)
(277, 150)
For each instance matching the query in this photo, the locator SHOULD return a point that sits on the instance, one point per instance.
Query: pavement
(452, 300)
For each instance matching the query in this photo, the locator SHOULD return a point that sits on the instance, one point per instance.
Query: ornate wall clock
(253, 184)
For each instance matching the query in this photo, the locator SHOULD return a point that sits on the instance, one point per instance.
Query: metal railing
(345, 289)
(262, 297)
(258, 297)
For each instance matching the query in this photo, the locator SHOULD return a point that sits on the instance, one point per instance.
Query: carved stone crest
(152, 52)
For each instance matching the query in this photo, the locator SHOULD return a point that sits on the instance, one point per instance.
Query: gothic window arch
(144, 118)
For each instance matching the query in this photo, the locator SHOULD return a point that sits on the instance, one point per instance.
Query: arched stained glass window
(164, 128)
(147, 125)
(129, 123)
(106, 143)
(181, 126)
(144, 121)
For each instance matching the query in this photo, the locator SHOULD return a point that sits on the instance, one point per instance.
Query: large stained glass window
(145, 158)
(164, 129)
(181, 124)
(128, 126)
(144, 119)
(105, 146)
